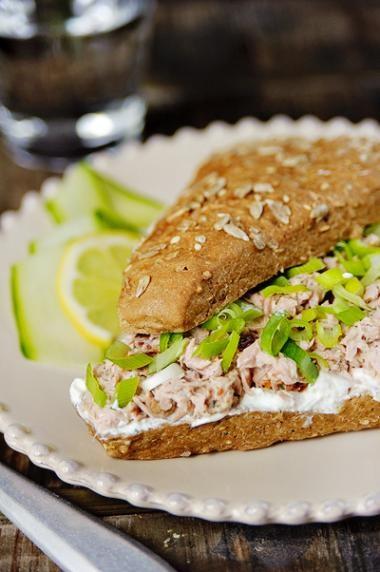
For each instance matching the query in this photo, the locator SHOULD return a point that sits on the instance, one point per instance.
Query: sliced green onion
(342, 245)
(252, 314)
(339, 305)
(361, 249)
(354, 286)
(232, 314)
(214, 344)
(167, 357)
(118, 354)
(212, 323)
(351, 315)
(373, 229)
(330, 278)
(174, 338)
(305, 364)
(219, 333)
(280, 281)
(321, 361)
(125, 390)
(209, 349)
(164, 341)
(235, 325)
(93, 386)
(290, 289)
(354, 266)
(312, 265)
(373, 272)
(134, 361)
(230, 351)
(275, 334)
(300, 330)
(340, 291)
(309, 315)
(328, 335)
(232, 310)
(117, 350)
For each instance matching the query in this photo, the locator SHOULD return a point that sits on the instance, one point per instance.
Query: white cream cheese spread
(326, 395)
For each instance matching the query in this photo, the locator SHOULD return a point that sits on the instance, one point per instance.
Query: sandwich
(251, 313)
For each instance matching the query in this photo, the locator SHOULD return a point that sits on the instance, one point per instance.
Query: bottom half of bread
(243, 432)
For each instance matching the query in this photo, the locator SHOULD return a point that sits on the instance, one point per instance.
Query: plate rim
(259, 512)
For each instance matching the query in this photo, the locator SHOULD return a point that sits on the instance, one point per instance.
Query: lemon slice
(89, 280)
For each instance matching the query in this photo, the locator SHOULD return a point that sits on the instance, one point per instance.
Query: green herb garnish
(312, 265)
(125, 390)
(118, 354)
(275, 334)
(93, 386)
(230, 351)
(305, 364)
(290, 289)
(328, 335)
(170, 355)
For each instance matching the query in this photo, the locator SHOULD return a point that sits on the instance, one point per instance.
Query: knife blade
(75, 541)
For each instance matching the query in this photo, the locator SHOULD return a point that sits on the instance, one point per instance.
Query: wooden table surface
(223, 60)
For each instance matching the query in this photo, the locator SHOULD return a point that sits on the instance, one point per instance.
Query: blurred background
(223, 59)
(206, 60)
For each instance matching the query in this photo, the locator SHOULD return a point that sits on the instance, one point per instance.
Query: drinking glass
(70, 72)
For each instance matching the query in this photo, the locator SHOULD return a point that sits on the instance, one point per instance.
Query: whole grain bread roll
(244, 432)
(250, 212)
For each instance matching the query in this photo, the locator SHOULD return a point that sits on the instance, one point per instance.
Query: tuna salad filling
(321, 316)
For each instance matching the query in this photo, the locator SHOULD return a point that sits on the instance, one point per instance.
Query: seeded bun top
(250, 212)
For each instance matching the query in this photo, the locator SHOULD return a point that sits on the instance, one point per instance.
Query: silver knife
(75, 541)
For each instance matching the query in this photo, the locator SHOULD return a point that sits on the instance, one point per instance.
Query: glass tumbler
(70, 73)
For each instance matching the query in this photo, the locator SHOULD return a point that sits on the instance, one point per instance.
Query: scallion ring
(275, 334)
(312, 265)
(328, 335)
(305, 364)
(300, 330)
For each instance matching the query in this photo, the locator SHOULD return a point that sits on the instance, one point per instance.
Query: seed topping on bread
(261, 203)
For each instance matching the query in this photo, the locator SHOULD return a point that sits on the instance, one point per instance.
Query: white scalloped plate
(318, 480)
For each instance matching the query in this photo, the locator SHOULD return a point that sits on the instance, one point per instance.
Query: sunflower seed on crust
(273, 244)
(243, 191)
(257, 238)
(263, 188)
(151, 252)
(319, 211)
(259, 242)
(256, 209)
(223, 220)
(172, 255)
(184, 225)
(142, 285)
(280, 211)
(235, 231)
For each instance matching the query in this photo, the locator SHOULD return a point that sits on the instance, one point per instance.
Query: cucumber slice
(84, 191)
(109, 219)
(61, 234)
(134, 208)
(77, 196)
(45, 334)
